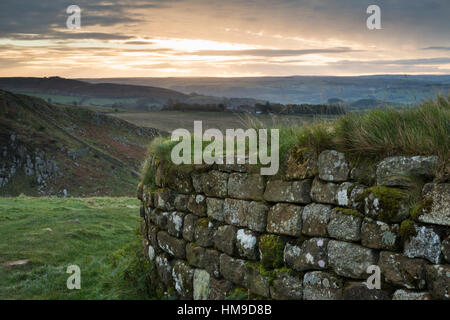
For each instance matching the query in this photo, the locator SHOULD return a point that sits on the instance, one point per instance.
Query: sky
(223, 38)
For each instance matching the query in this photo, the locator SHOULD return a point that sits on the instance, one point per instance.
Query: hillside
(55, 150)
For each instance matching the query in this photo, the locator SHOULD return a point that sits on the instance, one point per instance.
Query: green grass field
(97, 234)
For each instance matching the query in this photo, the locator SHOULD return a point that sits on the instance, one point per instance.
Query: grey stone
(246, 186)
(359, 291)
(402, 294)
(393, 170)
(195, 255)
(324, 192)
(215, 209)
(225, 239)
(320, 285)
(164, 268)
(438, 280)
(182, 275)
(204, 231)
(350, 260)
(247, 244)
(286, 191)
(256, 282)
(285, 219)
(232, 269)
(343, 195)
(425, 244)
(211, 262)
(214, 184)
(180, 202)
(315, 219)
(201, 285)
(311, 255)
(286, 286)
(446, 249)
(235, 212)
(257, 216)
(402, 271)
(439, 195)
(344, 227)
(333, 166)
(218, 289)
(380, 235)
(173, 246)
(376, 208)
(164, 199)
(179, 179)
(197, 204)
(175, 223)
(189, 227)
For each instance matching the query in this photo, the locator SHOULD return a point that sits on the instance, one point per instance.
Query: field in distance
(170, 120)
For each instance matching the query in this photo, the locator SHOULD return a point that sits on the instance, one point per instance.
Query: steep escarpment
(51, 150)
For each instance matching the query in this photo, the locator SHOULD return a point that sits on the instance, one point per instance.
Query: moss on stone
(389, 199)
(269, 274)
(418, 210)
(203, 222)
(237, 294)
(272, 249)
(407, 229)
(349, 212)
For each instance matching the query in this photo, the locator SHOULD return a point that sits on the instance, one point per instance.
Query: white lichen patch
(246, 240)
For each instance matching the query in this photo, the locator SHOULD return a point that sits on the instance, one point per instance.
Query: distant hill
(400, 89)
(56, 150)
(76, 92)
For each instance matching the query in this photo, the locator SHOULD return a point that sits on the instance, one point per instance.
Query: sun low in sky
(223, 38)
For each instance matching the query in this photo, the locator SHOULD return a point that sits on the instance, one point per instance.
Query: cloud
(267, 52)
(437, 48)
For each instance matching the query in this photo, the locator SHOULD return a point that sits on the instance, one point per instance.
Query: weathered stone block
(204, 231)
(286, 286)
(160, 218)
(195, 255)
(225, 239)
(211, 262)
(201, 285)
(393, 171)
(271, 248)
(311, 255)
(285, 219)
(164, 199)
(181, 201)
(257, 216)
(246, 186)
(344, 225)
(214, 184)
(183, 275)
(189, 227)
(438, 280)
(324, 192)
(175, 223)
(256, 282)
(343, 194)
(152, 237)
(400, 270)
(301, 164)
(235, 212)
(315, 219)
(385, 204)
(380, 235)
(232, 269)
(178, 178)
(424, 244)
(215, 209)
(358, 291)
(164, 268)
(333, 166)
(197, 205)
(320, 285)
(173, 246)
(218, 289)
(285, 191)
(402, 294)
(247, 244)
(438, 196)
(350, 260)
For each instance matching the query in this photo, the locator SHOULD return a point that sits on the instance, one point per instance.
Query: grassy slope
(105, 225)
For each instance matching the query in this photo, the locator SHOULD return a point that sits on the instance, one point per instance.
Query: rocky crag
(311, 232)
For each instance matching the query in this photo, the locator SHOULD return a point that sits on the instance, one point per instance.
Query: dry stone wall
(311, 232)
